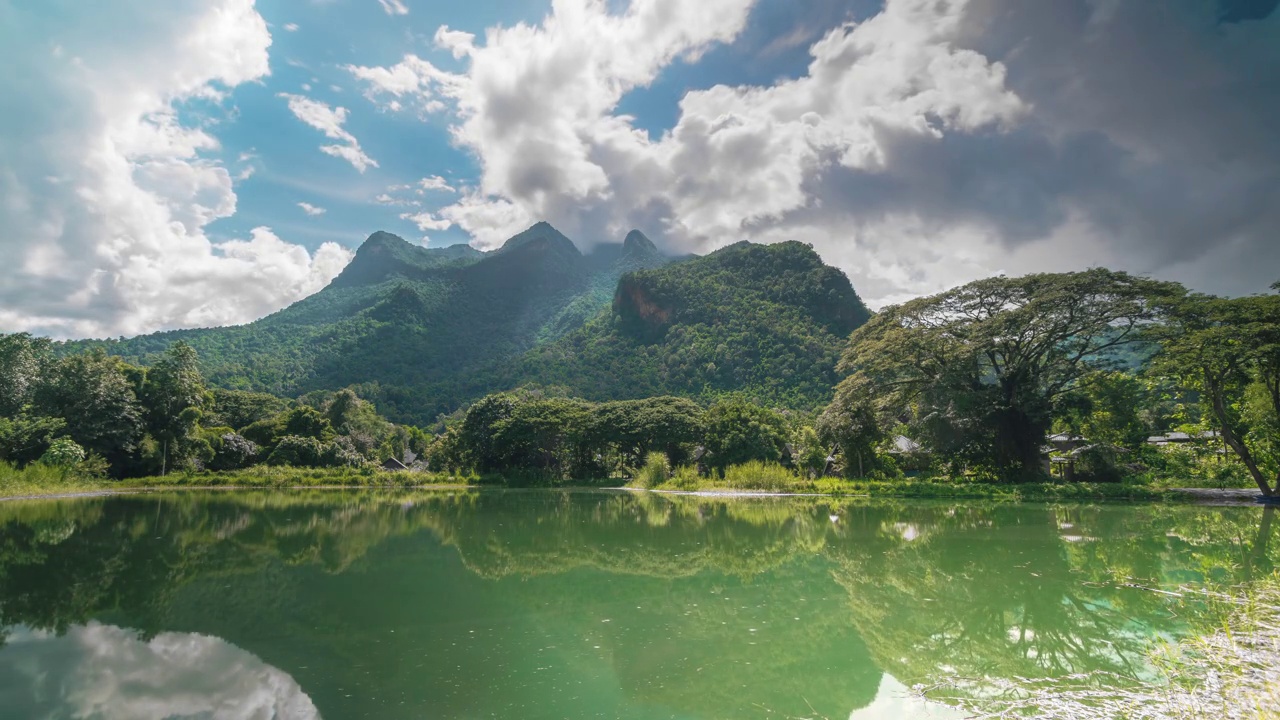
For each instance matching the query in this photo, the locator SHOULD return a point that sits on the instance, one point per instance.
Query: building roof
(393, 464)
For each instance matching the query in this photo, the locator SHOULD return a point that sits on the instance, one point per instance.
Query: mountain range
(425, 331)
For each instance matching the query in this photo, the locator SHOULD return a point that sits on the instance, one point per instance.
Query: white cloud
(311, 210)
(457, 42)
(934, 142)
(113, 191)
(291, 27)
(394, 7)
(107, 672)
(434, 183)
(426, 221)
(329, 121)
(411, 78)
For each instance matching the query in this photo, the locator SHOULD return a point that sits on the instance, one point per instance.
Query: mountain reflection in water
(558, 604)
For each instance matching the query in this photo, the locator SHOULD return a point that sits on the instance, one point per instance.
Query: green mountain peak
(425, 331)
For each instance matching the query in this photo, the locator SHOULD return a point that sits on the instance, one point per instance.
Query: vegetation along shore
(1094, 384)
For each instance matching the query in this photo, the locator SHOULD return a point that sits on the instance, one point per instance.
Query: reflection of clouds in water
(107, 673)
(895, 701)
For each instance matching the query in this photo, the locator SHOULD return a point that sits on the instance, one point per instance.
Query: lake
(546, 604)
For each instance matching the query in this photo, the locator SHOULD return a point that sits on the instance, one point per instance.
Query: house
(393, 465)
(1179, 438)
(1066, 442)
(903, 445)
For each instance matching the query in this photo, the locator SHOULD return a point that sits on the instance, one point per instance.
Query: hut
(393, 465)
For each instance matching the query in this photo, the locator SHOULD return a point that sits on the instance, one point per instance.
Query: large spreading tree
(981, 372)
(1228, 350)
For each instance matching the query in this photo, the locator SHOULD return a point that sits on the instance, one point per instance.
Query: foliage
(981, 372)
(23, 359)
(233, 452)
(63, 453)
(1228, 350)
(655, 471)
(95, 398)
(757, 475)
(24, 438)
(850, 423)
(738, 432)
(298, 451)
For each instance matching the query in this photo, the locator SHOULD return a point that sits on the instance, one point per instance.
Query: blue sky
(205, 162)
(309, 60)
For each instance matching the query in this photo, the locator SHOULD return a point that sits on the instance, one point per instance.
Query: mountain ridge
(422, 331)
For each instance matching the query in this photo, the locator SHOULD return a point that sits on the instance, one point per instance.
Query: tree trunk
(164, 458)
(1229, 437)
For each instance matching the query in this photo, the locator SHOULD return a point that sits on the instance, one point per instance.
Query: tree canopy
(980, 371)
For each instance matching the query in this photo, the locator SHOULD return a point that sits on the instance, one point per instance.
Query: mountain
(769, 321)
(423, 331)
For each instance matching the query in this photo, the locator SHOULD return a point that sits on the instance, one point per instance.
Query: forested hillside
(768, 321)
(426, 331)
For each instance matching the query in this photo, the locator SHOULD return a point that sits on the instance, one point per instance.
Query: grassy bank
(772, 478)
(37, 479)
(40, 480)
(1231, 672)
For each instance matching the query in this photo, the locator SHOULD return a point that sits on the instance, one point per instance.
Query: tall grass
(654, 473)
(761, 476)
(40, 479)
(280, 476)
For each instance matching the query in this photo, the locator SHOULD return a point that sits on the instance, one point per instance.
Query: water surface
(575, 605)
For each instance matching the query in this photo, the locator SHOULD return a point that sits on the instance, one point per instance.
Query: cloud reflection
(107, 673)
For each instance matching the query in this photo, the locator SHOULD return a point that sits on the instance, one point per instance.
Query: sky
(206, 162)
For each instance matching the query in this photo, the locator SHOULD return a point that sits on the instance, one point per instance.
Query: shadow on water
(559, 604)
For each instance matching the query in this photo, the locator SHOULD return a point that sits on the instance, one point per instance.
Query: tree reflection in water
(460, 603)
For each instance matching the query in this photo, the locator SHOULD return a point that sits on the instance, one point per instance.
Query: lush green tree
(981, 370)
(22, 361)
(477, 437)
(1107, 407)
(24, 438)
(1223, 348)
(669, 425)
(548, 435)
(238, 408)
(298, 452)
(304, 421)
(173, 395)
(91, 393)
(233, 452)
(809, 451)
(850, 423)
(739, 432)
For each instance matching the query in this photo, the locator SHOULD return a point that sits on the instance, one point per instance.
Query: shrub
(298, 452)
(63, 453)
(685, 477)
(234, 452)
(756, 475)
(654, 472)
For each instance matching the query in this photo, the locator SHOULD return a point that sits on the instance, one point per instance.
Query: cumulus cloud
(394, 7)
(434, 183)
(105, 191)
(931, 143)
(426, 221)
(311, 210)
(107, 672)
(329, 120)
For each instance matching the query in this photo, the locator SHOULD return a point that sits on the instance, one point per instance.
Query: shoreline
(1240, 497)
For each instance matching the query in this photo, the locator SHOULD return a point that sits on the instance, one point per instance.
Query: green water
(580, 605)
